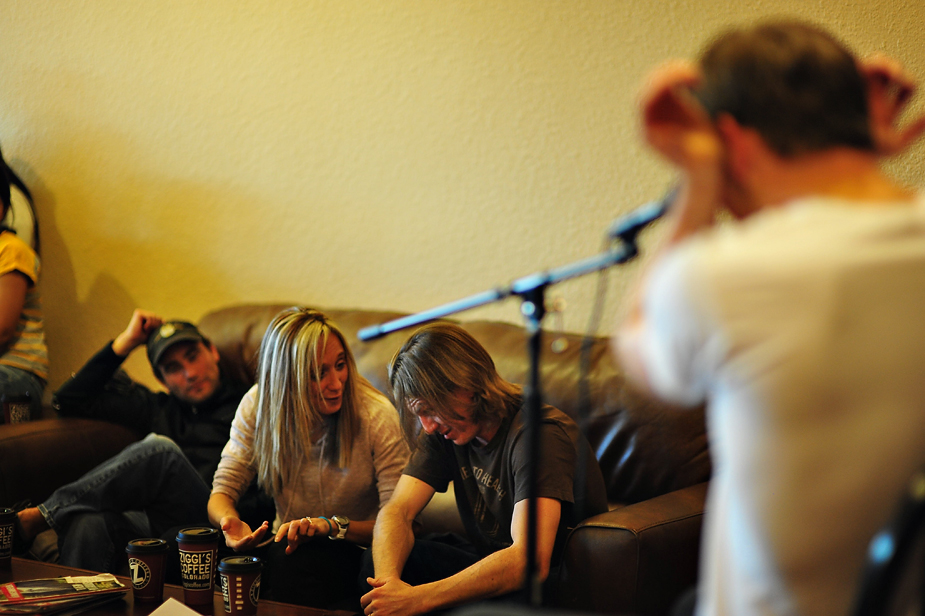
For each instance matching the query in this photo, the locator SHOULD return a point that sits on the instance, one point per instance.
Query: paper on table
(172, 607)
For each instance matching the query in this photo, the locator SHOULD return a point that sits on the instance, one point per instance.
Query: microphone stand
(531, 289)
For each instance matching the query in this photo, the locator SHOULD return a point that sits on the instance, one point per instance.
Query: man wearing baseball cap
(160, 482)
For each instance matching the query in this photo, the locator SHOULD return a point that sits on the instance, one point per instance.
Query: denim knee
(16, 381)
(157, 442)
(153, 445)
(95, 541)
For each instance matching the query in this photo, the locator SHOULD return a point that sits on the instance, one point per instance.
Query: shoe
(21, 544)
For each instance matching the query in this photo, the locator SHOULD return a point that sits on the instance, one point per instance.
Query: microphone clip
(627, 227)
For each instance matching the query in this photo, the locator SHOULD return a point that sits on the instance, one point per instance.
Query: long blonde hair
(289, 419)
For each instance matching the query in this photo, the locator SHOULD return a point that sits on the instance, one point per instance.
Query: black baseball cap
(169, 334)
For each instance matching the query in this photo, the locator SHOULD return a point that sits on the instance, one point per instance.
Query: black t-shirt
(489, 480)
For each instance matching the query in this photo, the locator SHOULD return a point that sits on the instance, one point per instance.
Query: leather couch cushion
(37, 457)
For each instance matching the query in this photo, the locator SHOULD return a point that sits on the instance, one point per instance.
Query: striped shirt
(27, 351)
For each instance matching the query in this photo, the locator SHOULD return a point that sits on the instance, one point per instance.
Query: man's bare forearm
(499, 573)
(393, 538)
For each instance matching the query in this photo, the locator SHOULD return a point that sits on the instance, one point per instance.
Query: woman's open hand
(238, 535)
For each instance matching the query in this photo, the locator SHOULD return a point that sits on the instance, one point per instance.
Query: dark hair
(8, 178)
(157, 369)
(439, 360)
(795, 84)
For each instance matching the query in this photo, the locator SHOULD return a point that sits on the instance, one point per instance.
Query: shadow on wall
(71, 326)
(139, 241)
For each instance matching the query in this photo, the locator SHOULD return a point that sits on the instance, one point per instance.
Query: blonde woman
(326, 445)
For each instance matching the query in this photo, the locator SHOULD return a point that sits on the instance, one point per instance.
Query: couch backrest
(645, 448)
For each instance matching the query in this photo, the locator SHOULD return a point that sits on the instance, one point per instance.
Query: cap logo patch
(167, 330)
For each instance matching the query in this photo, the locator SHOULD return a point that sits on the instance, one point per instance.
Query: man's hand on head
(677, 126)
(889, 90)
(674, 123)
(136, 332)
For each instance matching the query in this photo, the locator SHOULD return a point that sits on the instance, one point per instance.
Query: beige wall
(387, 154)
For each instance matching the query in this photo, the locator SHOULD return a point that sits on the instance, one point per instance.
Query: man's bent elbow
(542, 562)
(542, 569)
(519, 565)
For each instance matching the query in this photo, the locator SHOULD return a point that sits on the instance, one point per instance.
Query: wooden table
(23, 569)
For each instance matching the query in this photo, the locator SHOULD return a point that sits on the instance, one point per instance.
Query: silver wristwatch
(343, 523)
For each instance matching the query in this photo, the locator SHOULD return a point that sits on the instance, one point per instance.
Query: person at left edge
(23, 354)
(161, 483)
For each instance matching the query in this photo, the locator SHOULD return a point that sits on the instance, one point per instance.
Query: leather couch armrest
(636, 559)
(37, 457)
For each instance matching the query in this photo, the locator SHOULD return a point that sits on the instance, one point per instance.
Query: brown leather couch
(637, 558)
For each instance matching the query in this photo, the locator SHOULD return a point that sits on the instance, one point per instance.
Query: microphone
(627, 227)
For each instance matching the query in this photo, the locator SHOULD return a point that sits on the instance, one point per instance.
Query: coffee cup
(7, 518)
(146, 561)
(240, 579)
(198, 558)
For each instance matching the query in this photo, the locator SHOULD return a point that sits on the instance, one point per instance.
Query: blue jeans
(17, 382)
(144, 490)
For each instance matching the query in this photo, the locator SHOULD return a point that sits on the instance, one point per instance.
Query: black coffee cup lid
(239, 564)
(200, 534)
(146, 546)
